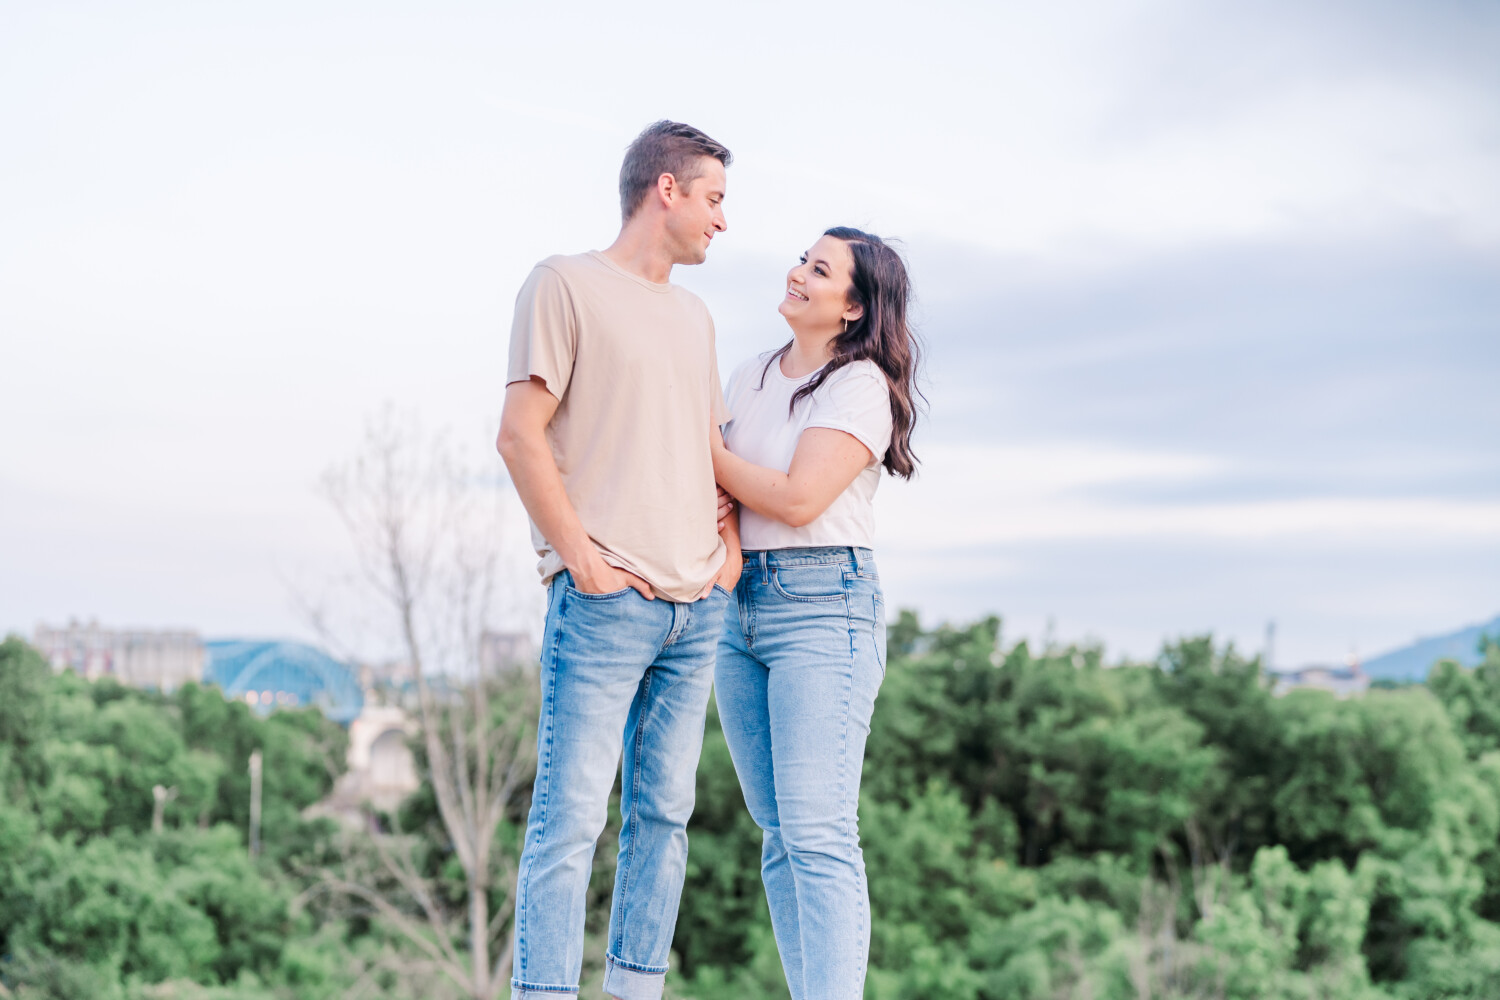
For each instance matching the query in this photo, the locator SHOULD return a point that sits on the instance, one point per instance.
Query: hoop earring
(846, 326)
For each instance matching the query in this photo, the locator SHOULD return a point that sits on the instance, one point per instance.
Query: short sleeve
(746, 369)
(717, 407)
(857, 402)
(544, 333)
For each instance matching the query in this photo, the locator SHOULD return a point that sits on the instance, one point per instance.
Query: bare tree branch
(400, 921)
(427, 552)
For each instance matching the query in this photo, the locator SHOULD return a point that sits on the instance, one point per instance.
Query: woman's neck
(809, 352)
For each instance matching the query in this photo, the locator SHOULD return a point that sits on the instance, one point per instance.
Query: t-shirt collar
(660, 287)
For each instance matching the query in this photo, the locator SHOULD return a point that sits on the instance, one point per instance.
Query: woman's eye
(819, 272)
(802, 259)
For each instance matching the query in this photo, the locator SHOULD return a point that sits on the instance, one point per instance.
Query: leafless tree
(1210, 868)
(427, 535)
(1162, 965)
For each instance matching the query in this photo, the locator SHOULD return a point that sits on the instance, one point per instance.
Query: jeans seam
(520, 984)
(523, 893)
(844, 722)
(853, 635)
(745, 598)
(827, 555)
(645, 970)
(635, 801)
(850, 835)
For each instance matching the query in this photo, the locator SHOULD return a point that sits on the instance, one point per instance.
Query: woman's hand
(726, 504)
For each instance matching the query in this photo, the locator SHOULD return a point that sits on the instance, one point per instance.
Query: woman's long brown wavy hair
(881, 334)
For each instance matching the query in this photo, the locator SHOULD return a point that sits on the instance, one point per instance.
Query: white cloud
(977, 495)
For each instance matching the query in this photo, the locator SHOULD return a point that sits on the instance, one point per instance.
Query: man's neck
(641, 250)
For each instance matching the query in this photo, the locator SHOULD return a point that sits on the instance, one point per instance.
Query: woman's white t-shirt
(855, 399)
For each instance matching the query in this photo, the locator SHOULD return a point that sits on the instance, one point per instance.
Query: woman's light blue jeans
(619, 673)
(799, 664)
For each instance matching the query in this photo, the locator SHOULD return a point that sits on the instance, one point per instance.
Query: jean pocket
(723, 590)
(612, 595)
(818, 582)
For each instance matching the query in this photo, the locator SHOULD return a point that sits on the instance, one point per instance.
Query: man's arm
(728, 517)
(523, 444)
(734, 559)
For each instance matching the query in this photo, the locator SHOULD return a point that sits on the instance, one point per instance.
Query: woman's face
(817, 289)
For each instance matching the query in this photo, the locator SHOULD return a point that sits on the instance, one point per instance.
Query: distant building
(394, 674)
(270, 675)
(382, 769)
(143, 658)
(1343, 682)
(394, 682)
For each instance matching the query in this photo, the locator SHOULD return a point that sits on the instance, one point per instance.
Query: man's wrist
(734, 562)
(588, 568)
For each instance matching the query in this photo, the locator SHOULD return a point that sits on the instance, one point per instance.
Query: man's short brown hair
(664, 148)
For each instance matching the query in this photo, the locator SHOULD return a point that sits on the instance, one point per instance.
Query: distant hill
(1411, 663)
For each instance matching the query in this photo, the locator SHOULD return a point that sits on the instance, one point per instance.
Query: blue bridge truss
(272, 675)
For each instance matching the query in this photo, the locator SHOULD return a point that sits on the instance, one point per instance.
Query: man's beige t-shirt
(633, 367)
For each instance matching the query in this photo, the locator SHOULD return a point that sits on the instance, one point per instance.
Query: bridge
(268, 675)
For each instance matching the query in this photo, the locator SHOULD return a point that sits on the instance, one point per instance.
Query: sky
(1209, 293)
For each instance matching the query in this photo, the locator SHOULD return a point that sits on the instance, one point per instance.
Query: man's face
(696, 213)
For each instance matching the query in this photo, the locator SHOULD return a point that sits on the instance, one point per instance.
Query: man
(612, 388)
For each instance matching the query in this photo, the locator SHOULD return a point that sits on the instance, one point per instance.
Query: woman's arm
(824, 464)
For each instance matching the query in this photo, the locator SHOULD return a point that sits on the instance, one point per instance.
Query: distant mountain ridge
(1411, 663)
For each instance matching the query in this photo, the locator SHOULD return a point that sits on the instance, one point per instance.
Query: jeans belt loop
(859, 563)
(765, 573)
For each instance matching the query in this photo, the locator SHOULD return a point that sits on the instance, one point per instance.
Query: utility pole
(255, 770)
(161, 796)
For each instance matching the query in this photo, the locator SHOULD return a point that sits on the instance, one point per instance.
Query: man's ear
(667, 190)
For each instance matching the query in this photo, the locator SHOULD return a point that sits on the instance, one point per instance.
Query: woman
(801, 660)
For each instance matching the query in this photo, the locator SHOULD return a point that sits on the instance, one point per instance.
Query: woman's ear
(854, 312)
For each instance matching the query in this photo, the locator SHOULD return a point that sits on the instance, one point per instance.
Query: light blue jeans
(618, 672)
(798, 669)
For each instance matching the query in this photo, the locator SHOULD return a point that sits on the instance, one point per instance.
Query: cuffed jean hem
(633, 982)
(539, 991)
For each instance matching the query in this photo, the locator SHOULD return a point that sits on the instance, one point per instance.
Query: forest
(1037, 825)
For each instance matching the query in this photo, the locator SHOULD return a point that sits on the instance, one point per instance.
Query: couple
(658, 588)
